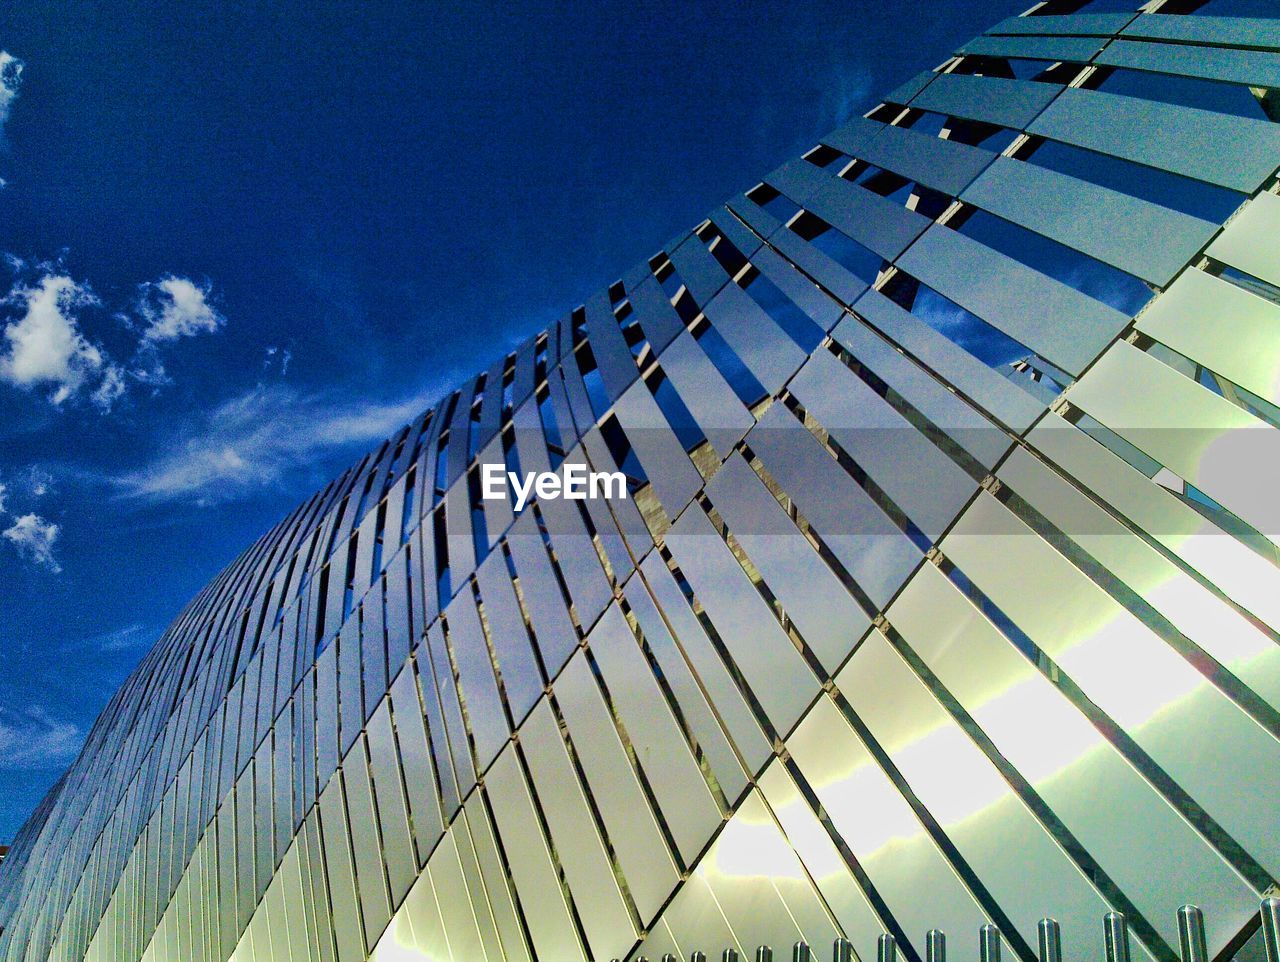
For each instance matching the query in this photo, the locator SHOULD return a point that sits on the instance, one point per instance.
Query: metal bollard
(989, 943)
(1115, 929)
(668, 957)
(729, 955)
(886, 949)
(1191, 934)
(1050, 940)
(697, 956)
(1271, 928)
(842, 951)
(935, 946)
(800, 952)
(764, 953)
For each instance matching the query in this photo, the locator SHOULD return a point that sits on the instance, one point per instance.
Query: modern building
(946, 590)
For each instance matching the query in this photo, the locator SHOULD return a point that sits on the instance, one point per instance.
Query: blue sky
(242, 245)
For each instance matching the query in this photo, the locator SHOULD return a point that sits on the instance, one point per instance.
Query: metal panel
(1079, 24)
(1233, 152)
(928, 486)
(868, 544)
(541, 900)
(948, 413)
(713, 745)
(1165, 705)
(877, 223)
(1078, 49)
(706, 394)
(1064, 326)
(1224, 328)
(879, 828)
(553, 631)
(945, 165)
(617, 369)
(659, 748)
(582, 855)
(754, 336)
(993, 100)
(1253, 67)
(700, 271)
(1066, 760)
(777, 675)
(822, 860)
(521, 677)
(829, 620)
(1235, 641)
(641, 851)
(1247, 243)
(808, 296)
(1204, 439)
(976, 381)
(972, 802)
(665, 463)
(1219, 31)
(478, 689)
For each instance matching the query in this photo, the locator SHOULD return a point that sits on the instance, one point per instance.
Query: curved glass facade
(946, 590)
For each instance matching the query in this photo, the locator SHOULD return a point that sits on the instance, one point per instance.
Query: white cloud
(255, 439)
(33, 739)
(46, 348)
(175, 307)
(10, 79)
(33, 537)
(4, 491)
(130, 637)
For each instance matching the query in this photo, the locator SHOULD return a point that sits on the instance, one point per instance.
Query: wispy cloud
(33, 739)
(255, 439)
(127, 638)
(34, 537)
